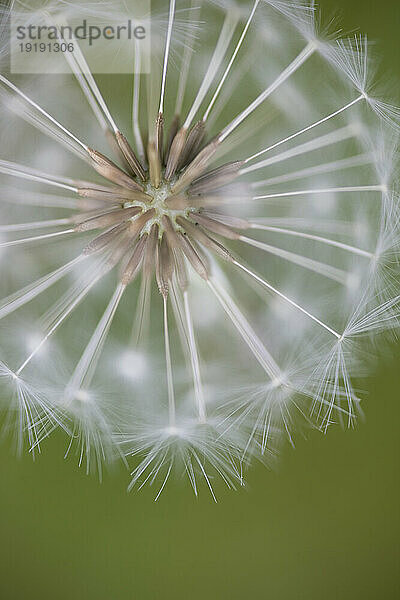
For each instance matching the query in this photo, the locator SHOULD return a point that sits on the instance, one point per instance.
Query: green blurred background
(324, 525)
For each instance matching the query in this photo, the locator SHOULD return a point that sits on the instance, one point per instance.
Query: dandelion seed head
(207, 243)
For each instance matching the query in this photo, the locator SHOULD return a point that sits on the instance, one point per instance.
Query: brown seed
(175, 153)
(180, 268)
(229, 220)
(112, 194)
(95, 212)
(173, 130)
(159, 137)
(201, 236)
(154, 164)
(215, 226)
(150, 252)
(170, 232)
(216, 178)
(108, 219)
(110, 171)
(136, 226)
(193, 256)
(193, 143)
(178, 202)
(110, 135)
(133, 266)
(164, 267)
(130, 156)
(104, 239)
(196, 167)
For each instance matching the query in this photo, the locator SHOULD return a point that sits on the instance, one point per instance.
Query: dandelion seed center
(157, 215)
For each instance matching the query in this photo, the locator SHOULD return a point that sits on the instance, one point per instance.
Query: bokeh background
(323, 525)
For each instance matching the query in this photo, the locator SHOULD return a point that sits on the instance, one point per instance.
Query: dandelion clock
(199, 231)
